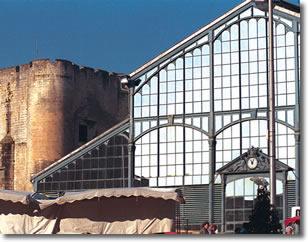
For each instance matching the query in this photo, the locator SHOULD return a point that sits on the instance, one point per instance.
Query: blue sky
(114, 35)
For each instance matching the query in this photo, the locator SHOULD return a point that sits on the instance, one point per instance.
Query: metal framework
(204, 102)
(216, 85)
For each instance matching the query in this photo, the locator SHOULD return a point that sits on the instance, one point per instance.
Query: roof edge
(288, 5)
(193, 35)
(74, 152)
(281, 5)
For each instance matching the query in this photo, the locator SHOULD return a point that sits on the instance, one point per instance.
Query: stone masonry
(49, 108)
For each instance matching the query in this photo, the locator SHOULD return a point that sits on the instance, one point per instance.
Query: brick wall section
(49, 100)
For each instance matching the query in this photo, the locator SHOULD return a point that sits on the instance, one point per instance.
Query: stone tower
(47, 109)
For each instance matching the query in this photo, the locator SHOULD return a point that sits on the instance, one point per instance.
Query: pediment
(240, 164)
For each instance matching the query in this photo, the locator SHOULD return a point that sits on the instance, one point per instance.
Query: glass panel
(234, 32)
(244, 30)
(225, 36)
(105, 166)
(217, 46)
(252, 28)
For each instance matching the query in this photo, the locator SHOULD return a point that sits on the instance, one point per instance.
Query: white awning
(15, 196)
(161, 193)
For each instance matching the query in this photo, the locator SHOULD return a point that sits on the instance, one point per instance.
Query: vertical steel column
(285, 196)
(297, 168)
(223, 203)
(271, 131)
(158, 130)
(240, 86)
(184, 116)
(212, 151)
(212, 138)
(297, 117)
(131, 143)
(267, 83)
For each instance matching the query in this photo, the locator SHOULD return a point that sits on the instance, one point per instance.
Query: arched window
(243, 57)
(166, 158)
(254, 133)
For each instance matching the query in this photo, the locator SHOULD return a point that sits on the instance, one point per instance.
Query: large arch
(169, 125)
(252, 118)
(253, 132)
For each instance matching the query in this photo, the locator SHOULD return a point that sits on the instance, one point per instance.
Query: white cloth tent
(101, 211)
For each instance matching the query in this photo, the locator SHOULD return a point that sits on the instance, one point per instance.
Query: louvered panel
(217, 203)
(196, 209)
(291, 196)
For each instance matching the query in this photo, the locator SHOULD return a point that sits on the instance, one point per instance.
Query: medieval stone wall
(43, 104)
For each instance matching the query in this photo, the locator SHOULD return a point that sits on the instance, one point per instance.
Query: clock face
(252, 163)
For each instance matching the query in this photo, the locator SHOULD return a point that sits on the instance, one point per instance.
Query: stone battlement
(57, 63)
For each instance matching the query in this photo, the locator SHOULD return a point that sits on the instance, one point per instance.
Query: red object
(292, 220)
(170, 233)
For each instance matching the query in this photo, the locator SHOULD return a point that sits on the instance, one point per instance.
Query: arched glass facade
(228, 67)
(207, 104)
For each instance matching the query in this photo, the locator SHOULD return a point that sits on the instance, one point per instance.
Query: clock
(252, 163)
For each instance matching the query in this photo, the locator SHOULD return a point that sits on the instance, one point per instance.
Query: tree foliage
(264, 218)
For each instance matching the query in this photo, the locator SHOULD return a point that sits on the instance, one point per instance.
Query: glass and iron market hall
(198, 116)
